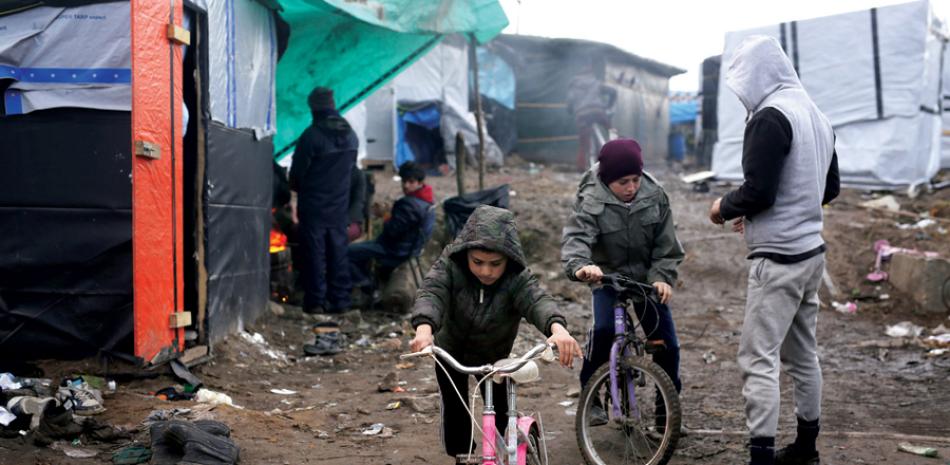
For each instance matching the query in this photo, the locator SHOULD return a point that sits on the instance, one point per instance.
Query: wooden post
(473, 56)
(461, 158)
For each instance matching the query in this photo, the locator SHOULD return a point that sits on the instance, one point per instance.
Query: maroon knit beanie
(619, 158)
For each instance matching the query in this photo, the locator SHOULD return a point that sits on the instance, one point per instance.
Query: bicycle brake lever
(427, 350)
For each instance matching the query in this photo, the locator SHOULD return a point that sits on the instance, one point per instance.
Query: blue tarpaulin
(683, 112)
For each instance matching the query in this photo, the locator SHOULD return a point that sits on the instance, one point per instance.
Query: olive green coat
(636, 239)
(475, 323)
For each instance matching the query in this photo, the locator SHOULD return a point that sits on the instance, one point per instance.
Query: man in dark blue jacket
(320, 179)
(404, 233)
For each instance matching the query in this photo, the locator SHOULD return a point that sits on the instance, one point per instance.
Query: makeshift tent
(86, 112)
(187, 240)
(545, 68)
(423, 108)
(876, 76)
(357, 47)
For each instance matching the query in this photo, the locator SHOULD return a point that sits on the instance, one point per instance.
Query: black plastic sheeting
(66, 224)
(459, 208)
(237, 193)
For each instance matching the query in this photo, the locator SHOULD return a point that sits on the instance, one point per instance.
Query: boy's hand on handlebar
(567, 346)
(589, 273)
(423, 338)
(664, 291)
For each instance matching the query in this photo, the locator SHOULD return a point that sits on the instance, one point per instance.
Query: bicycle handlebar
(622, 283)
(515, 365)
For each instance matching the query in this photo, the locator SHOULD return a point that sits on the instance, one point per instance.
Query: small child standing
(471, 304)
(622, 223)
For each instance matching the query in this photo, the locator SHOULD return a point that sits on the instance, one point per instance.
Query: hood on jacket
(424, 193)
(758, 68)
(489, 228)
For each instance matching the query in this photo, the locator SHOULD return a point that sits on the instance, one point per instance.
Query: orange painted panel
(156, 183)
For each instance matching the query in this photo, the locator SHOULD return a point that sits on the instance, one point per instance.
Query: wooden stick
(473, 54)
(461, 158)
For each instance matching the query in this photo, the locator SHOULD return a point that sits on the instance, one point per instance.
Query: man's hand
(423, 338)
(589, 274)
(567, 346)
(714, 215)
(738, 225)
(664, 291)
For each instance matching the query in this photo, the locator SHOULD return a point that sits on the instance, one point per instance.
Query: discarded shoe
(325, 344)
(34, 406)
(77, 396)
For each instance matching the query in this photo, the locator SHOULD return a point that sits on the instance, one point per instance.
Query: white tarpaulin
(875, 74)
(67, 57)
(945, 146)
(442, 76)
(242, 49)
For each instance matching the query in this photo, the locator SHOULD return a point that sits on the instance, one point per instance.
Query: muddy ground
(878, 391)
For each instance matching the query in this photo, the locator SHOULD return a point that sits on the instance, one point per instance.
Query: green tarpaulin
(356, 47)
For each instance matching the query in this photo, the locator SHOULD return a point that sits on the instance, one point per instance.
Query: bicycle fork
(492, 447)
(620, 330)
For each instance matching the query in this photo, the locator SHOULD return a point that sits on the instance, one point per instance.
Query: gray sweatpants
(780, 319)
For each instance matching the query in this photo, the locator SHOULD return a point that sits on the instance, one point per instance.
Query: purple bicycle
(642, 406)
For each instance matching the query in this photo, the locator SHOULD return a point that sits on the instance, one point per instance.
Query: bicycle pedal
(654, 347)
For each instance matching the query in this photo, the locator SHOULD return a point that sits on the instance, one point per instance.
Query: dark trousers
(325, 274)
(456, 423)
(656, 325)
(362, 255)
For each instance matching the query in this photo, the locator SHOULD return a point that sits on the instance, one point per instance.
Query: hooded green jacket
(475, 323)
(637, 240)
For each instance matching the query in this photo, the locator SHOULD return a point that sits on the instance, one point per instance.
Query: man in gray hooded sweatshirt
(790, 170)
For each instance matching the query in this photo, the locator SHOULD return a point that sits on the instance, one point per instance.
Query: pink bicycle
(523, 443)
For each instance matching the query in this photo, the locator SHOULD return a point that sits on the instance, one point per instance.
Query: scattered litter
(74, 452)
(924, 223)
(387, 433)
(262, 345)
(283, 392)
(709, 357)
(393, 405)
(566, 403)
(698, 177)
(363, 341)
(207, 396)
(390, 383)
(132, 455)
(405, 365)
(373, 430)
(6, 417)
(917, 450)
(884, 296)
(571, 412)
(847, 308)
(8, 382)
(574, 392)
(937, 352)
(172, 393)
(904, 329)
(888, 202)
(938, 341)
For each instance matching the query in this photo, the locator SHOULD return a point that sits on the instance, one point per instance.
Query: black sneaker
(597, 416)
(315, 310)
(792, 455)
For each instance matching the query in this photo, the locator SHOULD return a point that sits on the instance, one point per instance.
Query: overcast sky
(677, 32)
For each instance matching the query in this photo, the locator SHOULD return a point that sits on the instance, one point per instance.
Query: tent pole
(473, 54)
(461, 158)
